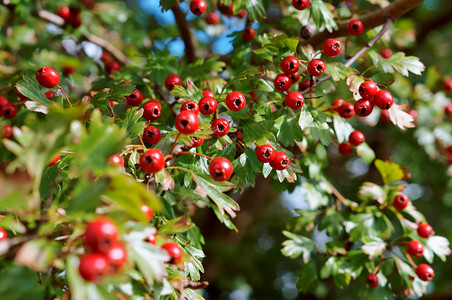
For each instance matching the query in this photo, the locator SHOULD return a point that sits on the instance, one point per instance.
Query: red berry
(174, 251)
(212, 18)
(345, 149)
(241, 14)
(290, 65)
(235, 101)
(101, 234)
(316, 67)
(282, 82)
(198, 7)
(49, 94)
(152, 161)
(265, 153)
(384, 116)
(449, 149)
(386, 53)
(191, 106)
(9, 111)
(112, 66)
(355, 27)
(151, 239)
(346, 110)
(372, 280)
(148, 211)
(280, 161)
(151, 135)
(400, 201)
(356, 138)
(207, 105)
(226, 9)
(415, 248)
(171, 81)
(187, 122)
(93, 266)
(336, 104)
(152, 110)
(195, 142)
(106, 57)
(47, 77)
(135, 98)
(332, 47)
(304, 85)
(295, 77)
(116, 257)
(116, 159)
(448, 85)
(248, 34)
(294, 100)
(220, 169)
(3, 234)
(7, 131)
(220, 127)
(363, 107)
(368, 89)
(54, 160)
(68, 70)
(383, 99)
(448, 109)
(207, 93)
(424, 230)
(63, 11)
(21, 97)
(425, 272)
(300, 4)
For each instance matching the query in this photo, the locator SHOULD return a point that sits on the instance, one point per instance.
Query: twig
(186, 34)
(165, 98)
(191, 153)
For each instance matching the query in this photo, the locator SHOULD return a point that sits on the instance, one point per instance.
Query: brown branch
(165, 98)
(371, 20)
(186, 34)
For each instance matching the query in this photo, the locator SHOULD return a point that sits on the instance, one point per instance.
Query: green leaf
(307, 277)
(332, 221)
(117, 93)
(30, 88)
(316, 121)
(321, 16)
(370, 191)
(366, 153)
(132, 122)
(177, 225)
(374, 248)
(289, 131)
(297, 245)
(342, 128)
(167, 4)
(339, 71)
(389, 171)
(18, 283)
(398, 61)
(255, 9)
(438, 245)
(313, 196)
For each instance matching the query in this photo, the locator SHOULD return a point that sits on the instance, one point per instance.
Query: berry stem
(19, 103)
(141, 140)
(408, 257)
(192, 153)
(174, 145)
(377, 267)
(61, 89)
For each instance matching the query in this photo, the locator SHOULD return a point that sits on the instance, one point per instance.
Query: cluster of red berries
(109, 63)
(7, 109)
(355, 138)
(278, 160)
(70, 15)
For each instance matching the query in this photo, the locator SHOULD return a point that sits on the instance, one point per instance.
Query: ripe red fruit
(151, 239)
(372, 280)
(68, 70)
(355, 27)
(191, 106)
(207, 105)
(448, 109)
(448, 85)
(265, 153)
(241, 14)
(47, 77)
(63, 11)
(152, 161)
(112, 66)
(304, 85)
(220, 127)
(282, 82)
(316, 67)
(248, 34)
(151, 135)
(424, 230)
(3, 234)
(174, 251)
(294, 100)
(220, 169)
(226, 9)
(332, 47)
(363, 107)
(187, 122)
(49, 94)
(356, 138)
(346, 110)
(336, 104)
(425, 272)
(92, 267)
(116, 257)
(9, 111)
(195, 142)
(208, 93)
(171, 81)
(235, 101)
(295, 77)
(135, 98)
(400, 201)
(106, 57)
(280, 161)
(368, 89)
(212, 18)
(152, 110)
(54, 160)
(198, 7)
(415, 248)
(7, 131)
(345, 148)
(300, 4)
(384, 116)
(383, 99)
(116, 159)
(290, 65)
(386, 53)
(101, 234)
(148, 211)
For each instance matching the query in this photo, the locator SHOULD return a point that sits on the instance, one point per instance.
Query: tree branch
(165, 98)
(186, 34)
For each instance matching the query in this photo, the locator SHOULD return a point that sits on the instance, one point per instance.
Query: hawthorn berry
(74, 19)
(372, 280)
(384, 116)
(49, 94)
(356, 138)
(116, 159)
(47, 77)
(336, 104)
(93, 266)
(7, 131)
(220, 127)
(152, 110)
(294, 100)
(135, 98)
(383, 99)
(424, 230)
(363, 107)
(355, 27)
(448, 109)
(400, 201)
(148, 211)
(280, 161)
(282, 82)
(248, 34)
(316, 67)
(235, 101)
(290, 65)
(151, 135)
(152, 161)
(345, 148)
(241, 14)
(332, 47)
(415, 248)
(68, 70)
(112, 66)
(220, 169)
(9, 111)
(212, 18)
(449, 149)
(3, 234)
(3, 102)
(54, 160)
(174, 251)
(198, 7)
(207, 93)
(116, 257)
(368, 89)
(226, 9)
(448, 85)
(106, 57)
(63, 11)
(295, 77)
(101, 234)
(300, 4)
(151, 239)
(171, 81)
(191, 106)
(207, 105)
(424, 272)
(304, 85)
(386, 53)
(346, 110)
(186, 122)
(265, 153)
(195, 142)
